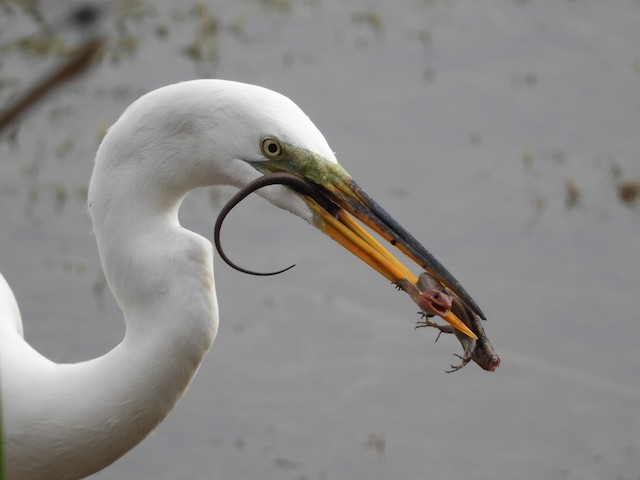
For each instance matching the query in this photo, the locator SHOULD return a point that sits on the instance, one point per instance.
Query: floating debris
(205, 48)
(378, 442)
(370, 19)
(629, 191)
(573, 195)
(524, 80)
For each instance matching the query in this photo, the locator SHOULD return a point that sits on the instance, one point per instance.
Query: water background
(497, 132)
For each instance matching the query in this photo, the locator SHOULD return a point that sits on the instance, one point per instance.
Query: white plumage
(67, 421)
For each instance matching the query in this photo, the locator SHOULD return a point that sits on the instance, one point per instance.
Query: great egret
(67, 421)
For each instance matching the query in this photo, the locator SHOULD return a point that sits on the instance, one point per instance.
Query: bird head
(286, 141)
(231, 133)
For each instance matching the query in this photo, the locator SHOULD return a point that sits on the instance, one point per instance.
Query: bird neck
(89, 414)
(162, 277)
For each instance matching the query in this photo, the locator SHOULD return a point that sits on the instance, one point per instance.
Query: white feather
(66, 421)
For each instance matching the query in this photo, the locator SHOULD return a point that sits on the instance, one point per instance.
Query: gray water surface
(465, 120)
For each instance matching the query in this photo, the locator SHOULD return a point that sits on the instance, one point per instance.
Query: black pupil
(273, 148)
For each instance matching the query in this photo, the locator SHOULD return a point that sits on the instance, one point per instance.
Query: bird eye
(271, 147)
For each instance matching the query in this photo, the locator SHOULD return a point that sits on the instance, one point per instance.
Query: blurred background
(505, 135)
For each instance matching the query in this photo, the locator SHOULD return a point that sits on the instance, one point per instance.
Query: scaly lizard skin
(429, 295)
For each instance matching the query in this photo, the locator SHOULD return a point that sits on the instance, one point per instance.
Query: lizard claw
(465, 360)
(425, 322)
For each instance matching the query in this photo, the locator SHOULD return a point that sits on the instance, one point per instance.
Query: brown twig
(74, 67)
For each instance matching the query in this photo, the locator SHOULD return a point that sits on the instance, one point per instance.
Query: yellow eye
(271, 147)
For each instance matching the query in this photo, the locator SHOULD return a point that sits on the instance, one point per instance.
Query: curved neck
(95, 411)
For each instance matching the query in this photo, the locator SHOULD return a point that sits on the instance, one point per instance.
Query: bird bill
(478, 349)
(336, 199)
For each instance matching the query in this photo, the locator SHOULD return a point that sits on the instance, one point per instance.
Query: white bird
(67, 421)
